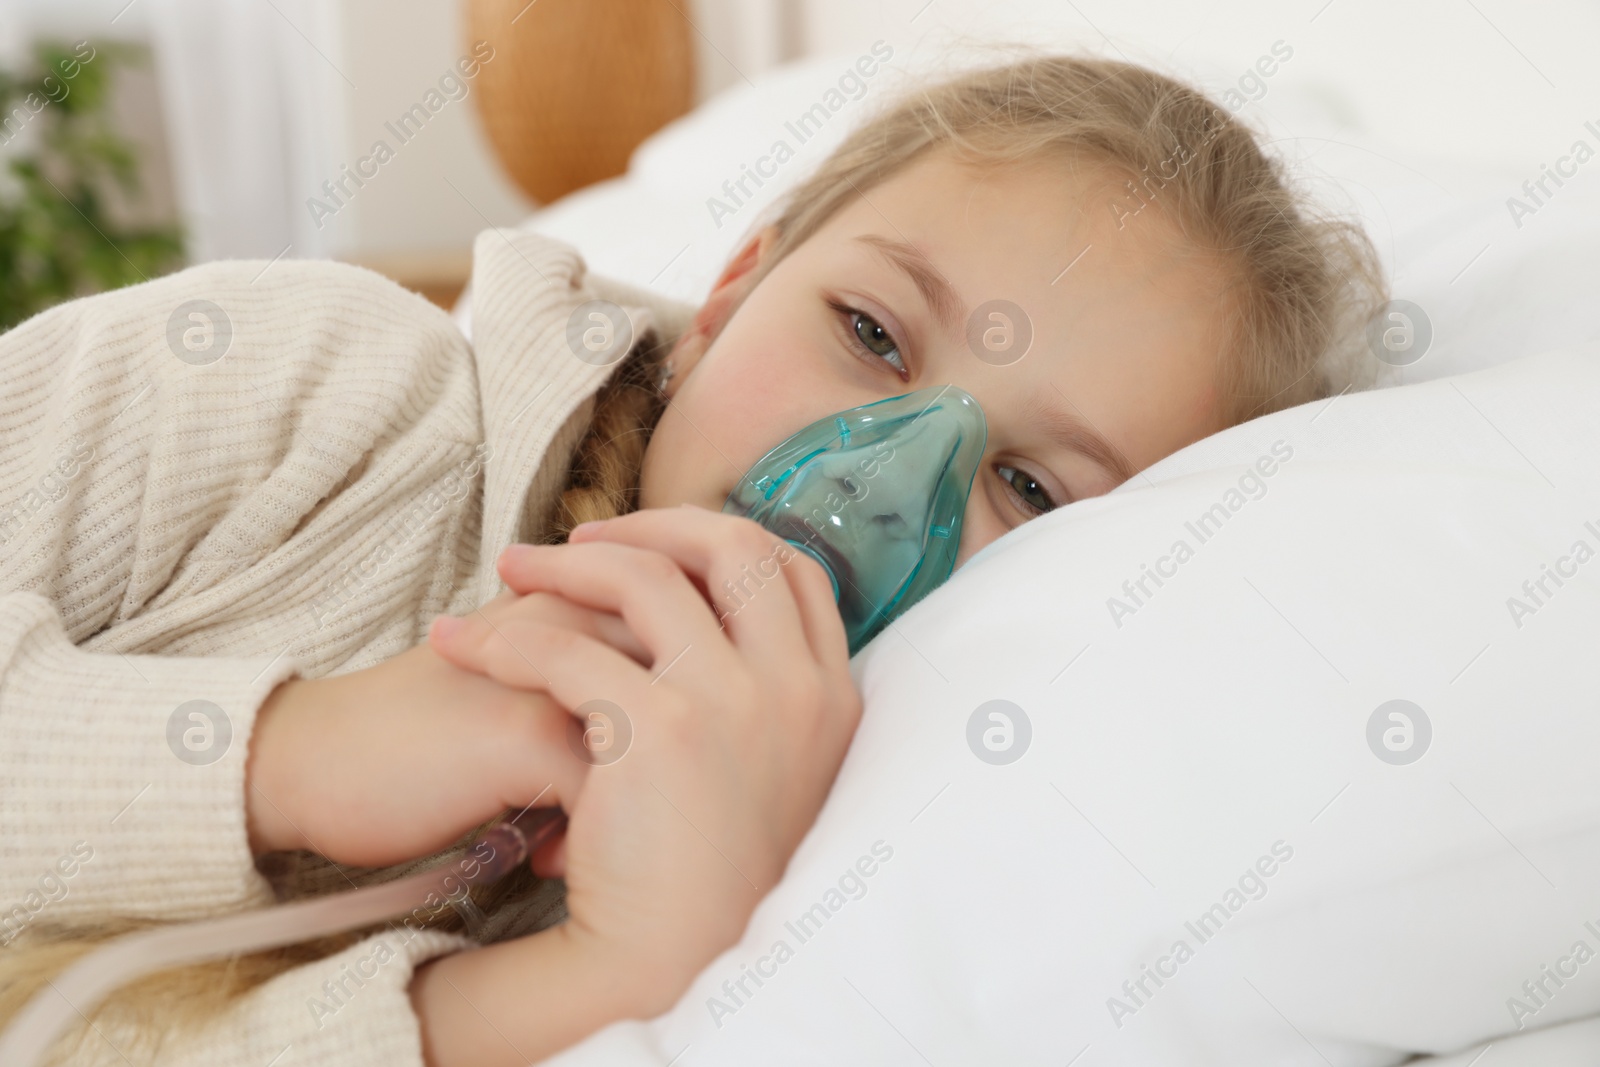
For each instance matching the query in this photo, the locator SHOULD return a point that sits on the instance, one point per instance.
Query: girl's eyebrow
(1075, 434)
(935, 288)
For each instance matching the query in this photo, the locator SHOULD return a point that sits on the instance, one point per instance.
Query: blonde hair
(1300, 285)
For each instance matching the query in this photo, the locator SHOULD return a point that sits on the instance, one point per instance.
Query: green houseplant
(57, 238)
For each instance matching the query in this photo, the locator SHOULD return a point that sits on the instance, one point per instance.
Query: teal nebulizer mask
(875, 494)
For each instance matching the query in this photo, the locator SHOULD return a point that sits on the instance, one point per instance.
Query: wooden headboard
(575, 85)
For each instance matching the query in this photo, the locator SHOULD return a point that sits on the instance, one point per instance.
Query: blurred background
(204, 129)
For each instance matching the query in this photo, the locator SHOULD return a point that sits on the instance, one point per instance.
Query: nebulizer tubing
(81, 987)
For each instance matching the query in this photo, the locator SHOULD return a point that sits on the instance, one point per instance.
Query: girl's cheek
(1207, 409)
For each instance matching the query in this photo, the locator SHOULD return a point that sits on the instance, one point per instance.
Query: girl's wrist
(646, 976)
(523, 1000)
(269, 829)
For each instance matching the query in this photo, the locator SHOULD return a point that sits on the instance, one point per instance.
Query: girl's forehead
(1053, 185)
(1023, 223)
(1048, 235)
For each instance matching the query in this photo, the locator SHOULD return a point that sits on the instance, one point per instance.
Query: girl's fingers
(573, 668)
(741, 566)
(650, 592)
(478, 643)
(549, 860)
(741, 563)
(535, 760)
(602, 625)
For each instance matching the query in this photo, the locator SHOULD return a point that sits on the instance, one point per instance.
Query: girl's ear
(735, 283)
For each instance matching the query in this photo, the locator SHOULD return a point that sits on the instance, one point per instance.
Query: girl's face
(1126, 319)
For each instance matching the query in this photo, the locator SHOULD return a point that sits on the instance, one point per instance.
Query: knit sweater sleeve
(121, 777)
(155, 443)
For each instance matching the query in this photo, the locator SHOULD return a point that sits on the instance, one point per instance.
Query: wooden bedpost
(575, 85)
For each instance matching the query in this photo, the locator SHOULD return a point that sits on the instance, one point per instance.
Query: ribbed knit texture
(179, 528)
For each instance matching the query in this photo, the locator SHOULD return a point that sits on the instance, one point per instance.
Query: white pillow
(1214, 726)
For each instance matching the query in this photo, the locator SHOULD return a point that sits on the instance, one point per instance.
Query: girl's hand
(400, 759)
(738, 725)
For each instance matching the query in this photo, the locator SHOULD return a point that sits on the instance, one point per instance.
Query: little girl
(238, 498)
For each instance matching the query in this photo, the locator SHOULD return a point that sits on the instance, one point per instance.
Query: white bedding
(1226, 717)
(1176, 741)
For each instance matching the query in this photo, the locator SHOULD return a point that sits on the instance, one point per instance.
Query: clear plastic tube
(79, 989)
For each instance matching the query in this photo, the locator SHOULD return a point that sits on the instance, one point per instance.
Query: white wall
(443, 185)
(1496, 79)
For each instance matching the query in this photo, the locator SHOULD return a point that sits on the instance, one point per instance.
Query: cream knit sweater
(181, 532)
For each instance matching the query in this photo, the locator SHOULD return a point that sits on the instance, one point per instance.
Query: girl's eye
(874, 338)
(1031, 492)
